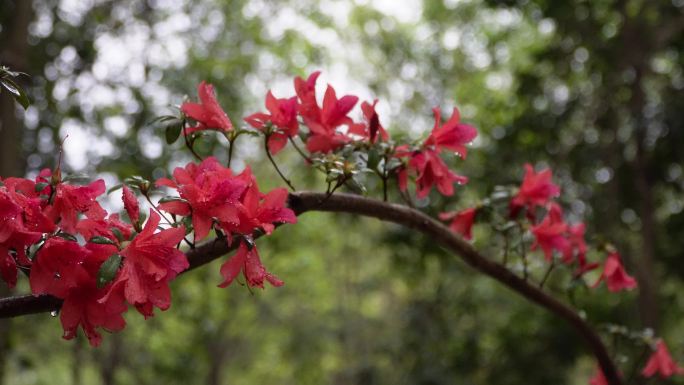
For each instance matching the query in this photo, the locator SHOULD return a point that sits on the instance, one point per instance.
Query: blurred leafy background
(591, 88)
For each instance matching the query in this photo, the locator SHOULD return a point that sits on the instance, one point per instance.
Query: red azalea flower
(210, 191)
(536, 190)
(576, 238)
(583, 266)
(615, 275)
(283, 116)
(550, 234)
(84, 304)
(453, 135)
(247, 260)
(70, 200)
(130, 202)
(28, 188)
(662, 363)
(258, 211)
(371, 129)
(58, 267)
(90, 228)
(15, 237)
(323, 122)
(431, 170)
(599, 378)
(151, 261)
(208, 114)
(306, 91)
(461, 222)
(82, 307)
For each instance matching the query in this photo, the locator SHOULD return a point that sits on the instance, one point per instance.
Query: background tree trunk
(14, 55)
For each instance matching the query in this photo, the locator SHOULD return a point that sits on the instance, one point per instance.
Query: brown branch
(302, 202)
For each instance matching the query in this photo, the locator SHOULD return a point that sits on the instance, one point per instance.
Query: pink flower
(247, 260)
(371, 128)
(84, 303)
(20, 226)
(461, 222)
(306, 91)
(210, 191)
(90, 228)
(615, 275)
(550, 234)
(259, 211)
(431, 170)
(82, 307)
(208, 114)
(70, 200)
(283, 116)
(662, 363)
(151, 262)
(58, 267)
(324, 121)
(452, 135)
(131, 205)
(536, 190)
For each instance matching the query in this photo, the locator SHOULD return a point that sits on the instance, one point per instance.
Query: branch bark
(302, 202)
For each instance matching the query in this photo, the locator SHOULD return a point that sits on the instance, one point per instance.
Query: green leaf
(102, 240)
(373, 159)
(356, 185)
(16, 91)
(117, 233)
(67, 236)
(40, 186)
(76, 178)
(173, 131)
(171, 199)
(108, 270)
(114, 188)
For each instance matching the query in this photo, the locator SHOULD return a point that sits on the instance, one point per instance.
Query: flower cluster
(553, 235)
(99, 264)
(425, 162)
(232, 205)
(72, 249)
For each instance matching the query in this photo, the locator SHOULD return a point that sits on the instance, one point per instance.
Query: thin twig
(191, 244)
(299, 150)
(547, 274)
(506, 246)
(188, 144)
(230, 150)
(268, 154)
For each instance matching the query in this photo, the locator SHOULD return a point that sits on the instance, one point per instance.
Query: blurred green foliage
(592, 89)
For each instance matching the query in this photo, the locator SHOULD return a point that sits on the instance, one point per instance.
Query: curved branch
(302, 202)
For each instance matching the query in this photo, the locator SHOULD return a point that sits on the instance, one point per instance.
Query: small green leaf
(173, 132)
(102, 240)
(40, 186)
(356, 185)
(171, 199)
(108, 270)
(16, 91)
(114, 188)
(117, 233)
(67, 236)
(76, 178)
(373, 159)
